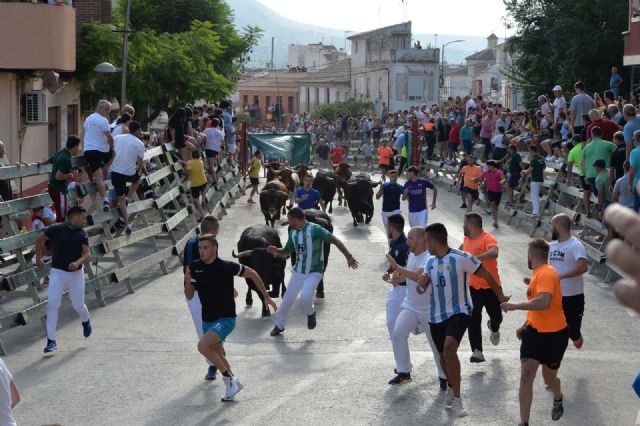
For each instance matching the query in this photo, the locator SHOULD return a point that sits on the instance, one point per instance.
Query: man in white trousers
(70, 252)
(415, 192)
(390, 193)
(209, 225)
(414, 313)
(307, 240)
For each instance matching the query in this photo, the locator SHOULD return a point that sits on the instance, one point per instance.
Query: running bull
(359, 195)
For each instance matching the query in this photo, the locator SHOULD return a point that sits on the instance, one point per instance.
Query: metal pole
(125, 45)
(272, 43)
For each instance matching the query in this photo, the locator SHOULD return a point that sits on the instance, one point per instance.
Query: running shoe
(86, 328)
(443, 384)
(311, 321)
(211, 373)
(477, 356)
(128, 230)
(448, 397)
(494, 336)
(400, 379)
(463, 206)
(459, 409)
(277, 331)
(578, 343)
(250, 202)
(232, 390)
(558, 410)
(227, 386)
(105, 205)
(51, 346)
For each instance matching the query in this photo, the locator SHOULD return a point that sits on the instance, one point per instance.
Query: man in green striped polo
(306, 239)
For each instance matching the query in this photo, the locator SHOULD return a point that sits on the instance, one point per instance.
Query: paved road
(141, 366)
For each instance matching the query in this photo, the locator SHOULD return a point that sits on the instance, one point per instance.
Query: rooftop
(402, 28)
(337, 72)
(483, 55)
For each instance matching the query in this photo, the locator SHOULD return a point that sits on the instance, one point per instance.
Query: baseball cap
(600, 163)
(557, 89)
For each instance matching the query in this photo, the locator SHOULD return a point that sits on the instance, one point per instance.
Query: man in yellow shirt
(254, 175)
(195, 171)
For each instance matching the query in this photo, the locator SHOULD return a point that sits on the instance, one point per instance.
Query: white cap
(557, 89)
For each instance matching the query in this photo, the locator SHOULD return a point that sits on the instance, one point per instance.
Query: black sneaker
(311, 321)
(463, 206)
(558, 410)
(400, 379)
(105, 206)
(277, 331)
(212, 371)
(320, 294)
(443, 384)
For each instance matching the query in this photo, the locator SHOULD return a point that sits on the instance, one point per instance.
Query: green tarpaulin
(292, 146)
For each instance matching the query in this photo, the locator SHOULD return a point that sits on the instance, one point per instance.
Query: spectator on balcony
(61, 176)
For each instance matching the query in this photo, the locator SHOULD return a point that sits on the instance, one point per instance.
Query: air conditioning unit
(34, 108)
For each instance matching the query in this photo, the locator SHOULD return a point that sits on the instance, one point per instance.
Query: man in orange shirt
(469, 173)
(384, 159)
(484, 247)
(544, 335)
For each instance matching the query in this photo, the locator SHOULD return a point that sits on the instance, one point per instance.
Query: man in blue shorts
(213, 278)
(415, 190)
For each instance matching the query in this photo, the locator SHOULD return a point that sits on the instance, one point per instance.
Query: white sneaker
(494, 336)
(448, 397)
(234, 387)
(227, 387)
(459, 409)
(477, 356)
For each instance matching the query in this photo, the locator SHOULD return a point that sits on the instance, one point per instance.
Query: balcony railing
(37, 36)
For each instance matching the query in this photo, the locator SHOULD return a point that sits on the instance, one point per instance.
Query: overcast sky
(461, 17)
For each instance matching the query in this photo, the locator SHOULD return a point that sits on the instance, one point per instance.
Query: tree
(169, 66)
(563, 41)
(353, 108)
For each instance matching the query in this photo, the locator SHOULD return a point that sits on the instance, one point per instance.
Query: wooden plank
(23, 170)
(593, 253)
(19, 241)
(179, 246)
(101, 217)
(125, 240)
(158, 175)
(175, 220)
(23, 204)
(167, 197)
(142, 264)
(153, 152)
(19, 279)
(140, 206)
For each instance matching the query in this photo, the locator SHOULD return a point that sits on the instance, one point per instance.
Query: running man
(468, 175)
(70, 252)
(307, 197)
(61, 176)
(484, 247)
(98, 148)
(445, 271)
(385, 157)
(209, 226)
(306, 239)
(213, 278)
(493, 181)
(568, 257)
(390, 193)
(254, 176)
(544, 335)
(415, 190)
(412, 312)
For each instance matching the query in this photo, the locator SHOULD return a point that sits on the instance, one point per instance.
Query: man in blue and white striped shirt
(446, 271)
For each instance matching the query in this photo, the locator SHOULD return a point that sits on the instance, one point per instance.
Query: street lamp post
(442, 61)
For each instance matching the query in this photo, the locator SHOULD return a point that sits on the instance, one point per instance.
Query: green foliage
(353, 108)
(173, 58)
(563, 41)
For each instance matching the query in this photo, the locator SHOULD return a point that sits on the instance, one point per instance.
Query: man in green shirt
(602, 186)
(536, 170)
(597, 149)
(306, 239)
(61, 175)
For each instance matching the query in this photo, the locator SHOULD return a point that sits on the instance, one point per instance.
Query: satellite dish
(51, 81)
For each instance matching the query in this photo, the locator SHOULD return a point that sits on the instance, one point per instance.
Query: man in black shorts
(98, 147)
(126, 164)
(213, 278)
(544, 334)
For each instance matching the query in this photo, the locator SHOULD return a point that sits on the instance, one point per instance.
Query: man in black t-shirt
(390, 193)
(618, 157)
(213, 278)
(322, 151)
(70, 252)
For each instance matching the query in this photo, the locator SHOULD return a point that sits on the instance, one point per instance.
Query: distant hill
(287, 31)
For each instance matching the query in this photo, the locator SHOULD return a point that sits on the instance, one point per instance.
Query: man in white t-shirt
(559, 103)
(98, 147)
(129, 152)
(213, 146)
(414, 313)
(568, 256)
(9, 396)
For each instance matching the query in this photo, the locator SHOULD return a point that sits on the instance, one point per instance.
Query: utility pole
(272, 43)
(125, 45)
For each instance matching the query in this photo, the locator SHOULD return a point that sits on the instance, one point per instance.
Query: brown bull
(273, 199)
(343, 174)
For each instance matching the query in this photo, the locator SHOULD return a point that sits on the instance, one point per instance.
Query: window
(317, 96)
(356, 46)
(380, 87)
(290, 104)
(415, 89)
(368, 90)
(268, 100)
(328, 95)
(337, 96)
(279, 101)
(256, 99)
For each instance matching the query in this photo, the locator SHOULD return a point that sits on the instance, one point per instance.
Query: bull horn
(246, 253)
(282, 256)
(283, 193)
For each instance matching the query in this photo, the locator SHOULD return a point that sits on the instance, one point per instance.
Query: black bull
(359, 195)
(252, 252)
(325, 184)
(322, 219)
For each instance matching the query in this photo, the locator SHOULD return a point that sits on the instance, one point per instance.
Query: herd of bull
(356, 192)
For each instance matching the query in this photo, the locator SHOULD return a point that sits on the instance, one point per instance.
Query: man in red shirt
(337, 154)
(609, 128)
(454, 140)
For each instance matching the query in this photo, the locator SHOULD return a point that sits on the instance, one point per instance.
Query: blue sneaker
(86, 328)
(211, 373)
(51, 346)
